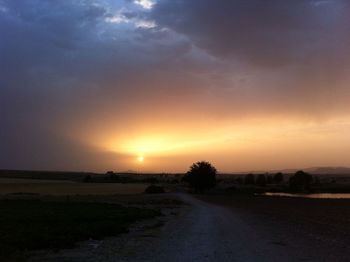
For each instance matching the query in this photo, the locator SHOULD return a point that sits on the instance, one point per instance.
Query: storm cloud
(273, 33)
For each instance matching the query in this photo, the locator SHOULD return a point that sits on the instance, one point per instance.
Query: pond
(319, 195)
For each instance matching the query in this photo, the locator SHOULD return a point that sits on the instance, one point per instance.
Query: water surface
(319, 195)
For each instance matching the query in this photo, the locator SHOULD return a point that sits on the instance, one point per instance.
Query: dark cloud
(272, 33)
(61, 63)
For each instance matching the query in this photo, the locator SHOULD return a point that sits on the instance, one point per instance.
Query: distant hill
(311, 170)
(319, 170)
(329, 170)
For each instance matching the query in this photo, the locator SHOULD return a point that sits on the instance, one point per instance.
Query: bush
(153, 189)
(201, 176)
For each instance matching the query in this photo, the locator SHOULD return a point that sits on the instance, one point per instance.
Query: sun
(140, 159)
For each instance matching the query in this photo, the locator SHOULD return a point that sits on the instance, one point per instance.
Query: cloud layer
(75, 74)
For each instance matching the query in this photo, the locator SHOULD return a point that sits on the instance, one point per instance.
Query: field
(64, 187)
(28, 225)
(39, 214)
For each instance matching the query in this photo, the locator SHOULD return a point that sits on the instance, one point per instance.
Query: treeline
(299, 182)
(113, 177)
(261, 179)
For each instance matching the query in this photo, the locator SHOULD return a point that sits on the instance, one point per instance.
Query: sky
(92, 85)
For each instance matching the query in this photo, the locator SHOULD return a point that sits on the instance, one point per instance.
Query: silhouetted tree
(249, 179)
(300, 182)
(278, 178)
(201, 176)
(269, 179)
(261, 180)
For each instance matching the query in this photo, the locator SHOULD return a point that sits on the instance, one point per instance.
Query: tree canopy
(300, 182)
(201, 176)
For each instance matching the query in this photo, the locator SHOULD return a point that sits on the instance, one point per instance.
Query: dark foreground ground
(28, 225)
(209, 228)
(247, 229)
(321, 226)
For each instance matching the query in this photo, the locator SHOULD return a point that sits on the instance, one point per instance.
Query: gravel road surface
(212, 233)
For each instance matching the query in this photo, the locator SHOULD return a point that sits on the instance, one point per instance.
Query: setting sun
(140, 159)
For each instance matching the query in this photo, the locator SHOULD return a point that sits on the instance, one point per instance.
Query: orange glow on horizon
(244, 145)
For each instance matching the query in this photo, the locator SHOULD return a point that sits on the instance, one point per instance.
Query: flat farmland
(61, 187)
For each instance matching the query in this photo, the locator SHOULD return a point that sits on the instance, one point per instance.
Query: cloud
(147, 4)
(125, 16)
(62, 64)
(273, 33)
(79, 73)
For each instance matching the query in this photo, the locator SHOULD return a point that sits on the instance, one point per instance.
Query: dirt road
(212, 233)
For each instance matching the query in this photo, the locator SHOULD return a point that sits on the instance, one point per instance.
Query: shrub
(153, 189)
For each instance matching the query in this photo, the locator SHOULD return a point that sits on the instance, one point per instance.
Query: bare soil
(320, 226)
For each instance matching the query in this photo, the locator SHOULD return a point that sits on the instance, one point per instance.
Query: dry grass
(50, 187)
